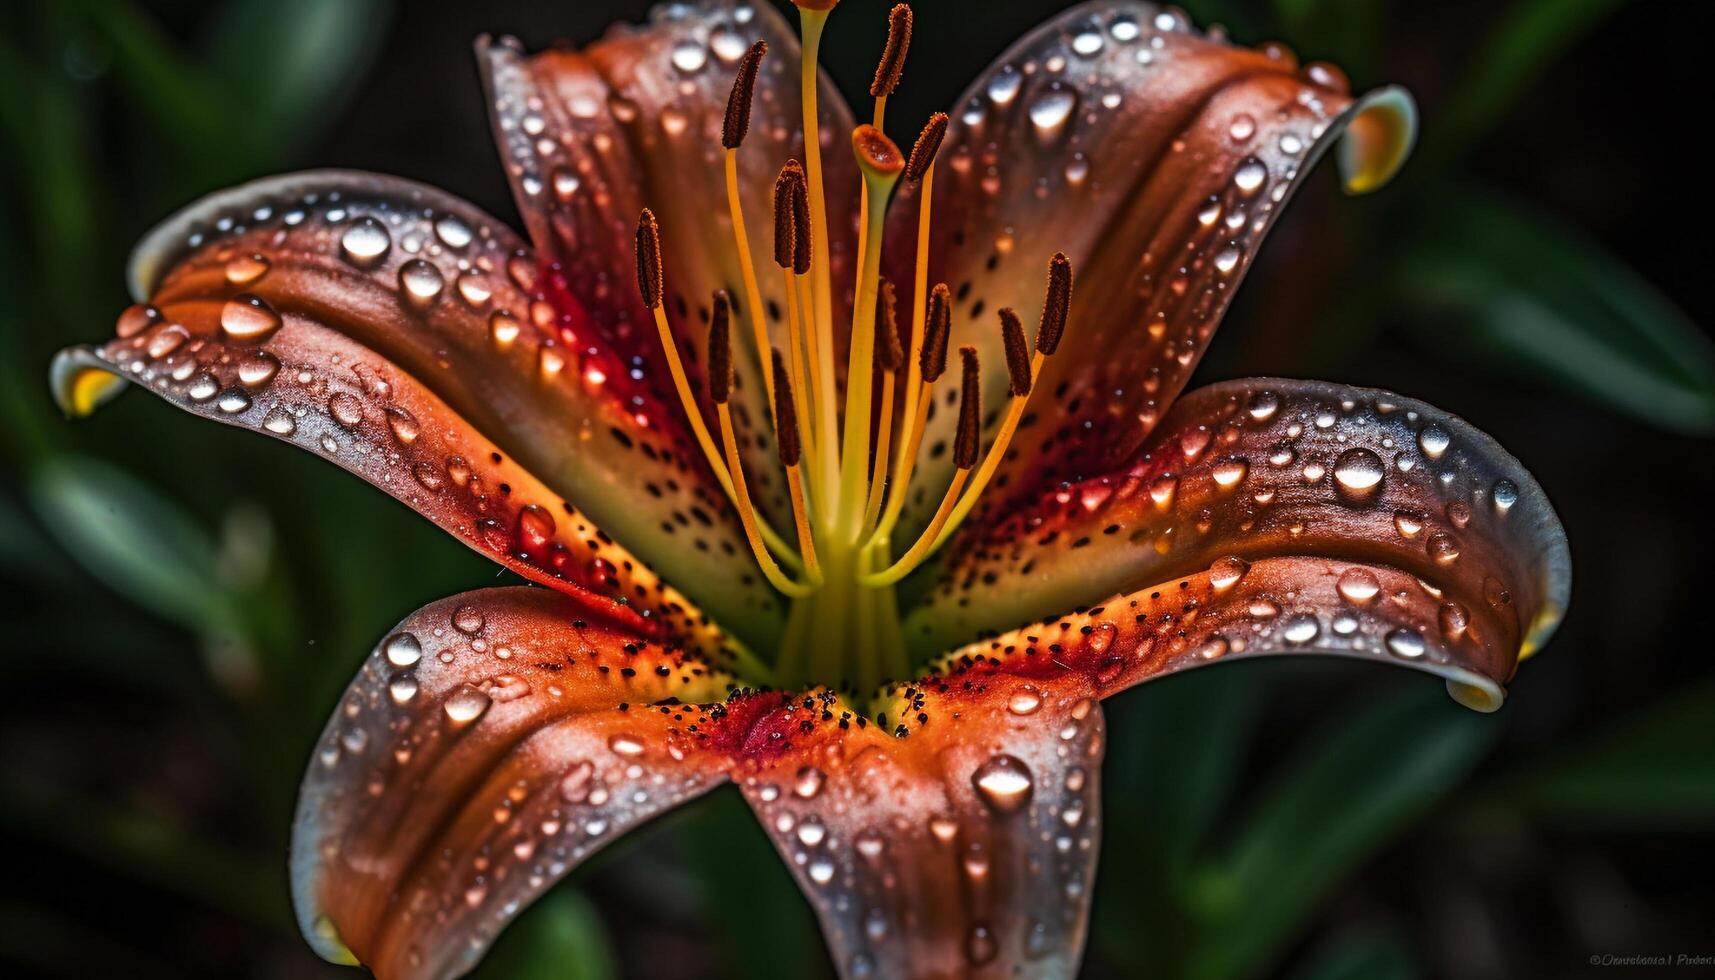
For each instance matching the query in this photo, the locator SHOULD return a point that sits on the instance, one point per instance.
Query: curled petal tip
(1379, 136)
(80, 383)
(1476, 692)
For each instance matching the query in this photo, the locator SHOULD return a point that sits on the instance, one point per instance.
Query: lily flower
(852, 473)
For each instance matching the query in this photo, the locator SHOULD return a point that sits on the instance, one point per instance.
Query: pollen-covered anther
(737, 122)
(927, 146)
(933, 360)
(649, 280)
(803, 231)
(965, 443)
(890, 346)
(785, 234)
(786, 437)
(877, 155)
(1057, 306)
(892, 62)
(720, 350)
(1017, 353)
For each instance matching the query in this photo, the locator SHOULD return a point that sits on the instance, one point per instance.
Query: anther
(928, 144)
(649, 259)
(970, 411)
(1057, 306)
(890, 346)
(720, 350)
(1017, 353)
(803, 232)
(877, 155)
(737, 122)
(786, 435)
(893, 55)
(785, 230)
(933, 360)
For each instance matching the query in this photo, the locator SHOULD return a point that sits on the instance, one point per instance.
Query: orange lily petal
(1156, 158)
(491, 743)
(1248, 471)
(399, 332)
(590, 137)
(966, 848)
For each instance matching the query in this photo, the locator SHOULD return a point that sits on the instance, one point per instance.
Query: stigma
(849, 455)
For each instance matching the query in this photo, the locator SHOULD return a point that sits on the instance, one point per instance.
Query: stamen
(737, 122)
(889, 357)
(1056, 307)
(813, 17)
(930, 364)
(788, 187)
(818, 351)
(880, 161)
(733, 130)
(785, 235)
(893, 54)
(787, 438)
(720, 387)
(964, 457)
(923, 151)
(649, 284)
(1017, 353)
(1059, 299)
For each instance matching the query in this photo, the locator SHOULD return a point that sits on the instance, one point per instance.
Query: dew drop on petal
(365, 243)
(1405, 643)
(402, 650)
(1004, 783)
(465, 705)
(248, 318)
(1358, 585)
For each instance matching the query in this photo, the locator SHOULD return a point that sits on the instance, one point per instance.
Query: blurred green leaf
(135, 540)
(1365, 956)
(1531, 36)
(1655, 769)
(560, 937)
(1349, 790)
(291, 60)
(1536, 295)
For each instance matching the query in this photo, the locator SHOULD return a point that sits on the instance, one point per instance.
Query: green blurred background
(183, 602)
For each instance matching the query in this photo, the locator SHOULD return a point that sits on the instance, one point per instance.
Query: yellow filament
(747, 514)
(688, 402)
(821, 358)
(883, 437)
(916, 395)
(803, 395)
(801, 517)
(747, 268)
(854, 452)
(811, 23)
(926, 543)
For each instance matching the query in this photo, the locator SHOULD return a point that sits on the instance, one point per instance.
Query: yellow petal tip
(1377, 140)
(1481, 696)
(80, 383)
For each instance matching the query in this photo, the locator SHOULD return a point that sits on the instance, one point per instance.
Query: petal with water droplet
(379, 367)
(1355, 465)
(452, 787)
(1186, 147)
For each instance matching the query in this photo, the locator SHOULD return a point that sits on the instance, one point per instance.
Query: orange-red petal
(402, 334)
(964, 848)
(489, 744)
(1245, 472)
(1157, 158)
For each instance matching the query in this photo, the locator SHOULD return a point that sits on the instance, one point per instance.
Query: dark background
(182, 602)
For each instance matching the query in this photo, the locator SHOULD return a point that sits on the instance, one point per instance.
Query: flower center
(848, 464)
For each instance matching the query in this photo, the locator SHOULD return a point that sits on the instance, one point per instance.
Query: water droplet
(1004, 783)
(365, 243)
(1243, 127)
(247, 318)
(1444, 548)
(420, 283)
(257, 369)
(166, 340)
(1051, 110)
(626, 745)
(402, 650)
(402, 688)
(808, 782)
(1300, 630)
(575, 785)
(1263, 405)
(135, 319)
(279, 421)
(981, 946)
(465, 705)
(233, 400)
(689, 57)
(1250, 175)
(1229, 472)
(1358, 585)
(1454, 619)
(468, 620)
(1004, 85)
(1406, 643)
(1162, 490)
(503, 328)
(475, 288)
(246, 269)
(1434, 440)
(1505, 495)
(1227, 259)
(1226, 572)
(1088, 41)
(345, 408)
(403, 424)
(821, 871)
(453, 232)
(812, 832)
(1408, 525)
(1358, 472)
(1024, 702)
